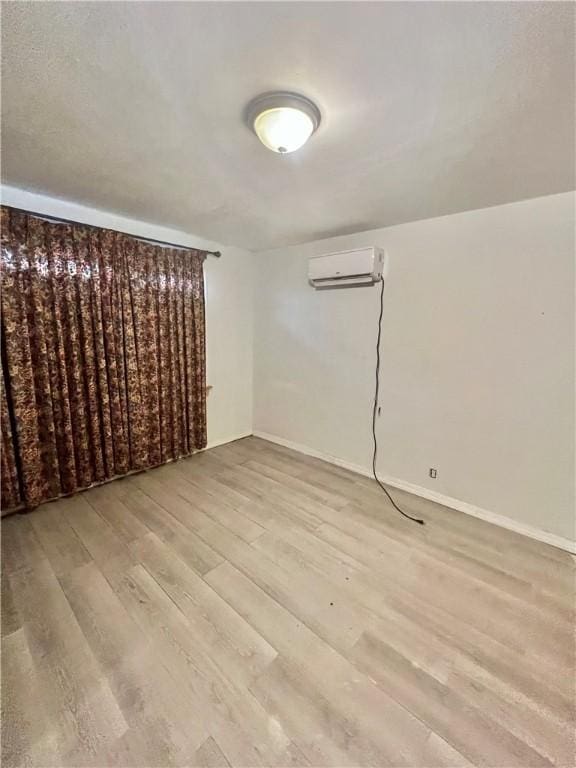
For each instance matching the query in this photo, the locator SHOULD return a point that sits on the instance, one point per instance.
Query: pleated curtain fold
(103, 356)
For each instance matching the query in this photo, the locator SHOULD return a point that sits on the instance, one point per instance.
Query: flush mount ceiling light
(283, 121)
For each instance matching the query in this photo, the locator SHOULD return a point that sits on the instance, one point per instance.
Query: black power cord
(374, 410)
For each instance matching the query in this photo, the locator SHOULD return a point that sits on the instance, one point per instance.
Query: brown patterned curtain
(103, 356)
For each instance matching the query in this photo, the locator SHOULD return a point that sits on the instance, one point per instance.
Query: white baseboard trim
(446, 501)
(224, 440)
(316, 454)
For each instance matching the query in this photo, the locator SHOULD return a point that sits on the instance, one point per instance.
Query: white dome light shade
(283, 129)
(283, 121)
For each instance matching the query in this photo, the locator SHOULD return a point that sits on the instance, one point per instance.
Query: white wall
(229, 309)
(477, 358)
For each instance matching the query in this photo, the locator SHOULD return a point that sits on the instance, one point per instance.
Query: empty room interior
(287, 406)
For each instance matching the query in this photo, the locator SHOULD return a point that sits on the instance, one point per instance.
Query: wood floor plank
(549, 732)
(515, 547)
(209, 755)
(223, 634)
(252, 606)
(21, 548)
(271, 501)
(519, 563)
(234, 453)
(327, 670)
(509, 545)
(477, 736)
(246, 735)
(354, 583)
(322, 471)
(503, 595)
(134, 749)
(151, 705)
(10, 615)
(480, 738)
(325, 736)
(189, 469)
(448, 622)
(27, 735)
(445, 543)
(440, 754)
(460, 551)
(195, 552)
(332, 499)
(58, 539)
(97, 536)
(410, 639)
(494, 613)
(210, 463)
(80, 709)
(217, 508)
(125, 523)
(309, 509)
(313, 601)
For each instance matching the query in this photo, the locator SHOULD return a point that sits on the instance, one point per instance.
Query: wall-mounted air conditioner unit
(361, 266)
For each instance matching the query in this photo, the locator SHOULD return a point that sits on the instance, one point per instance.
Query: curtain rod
(47, 217)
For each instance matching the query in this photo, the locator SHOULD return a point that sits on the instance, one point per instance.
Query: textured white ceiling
(427, 109)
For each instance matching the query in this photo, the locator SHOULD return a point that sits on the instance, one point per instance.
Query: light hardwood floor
(251, 606)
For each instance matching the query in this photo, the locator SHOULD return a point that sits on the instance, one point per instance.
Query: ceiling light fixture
(283, 121)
